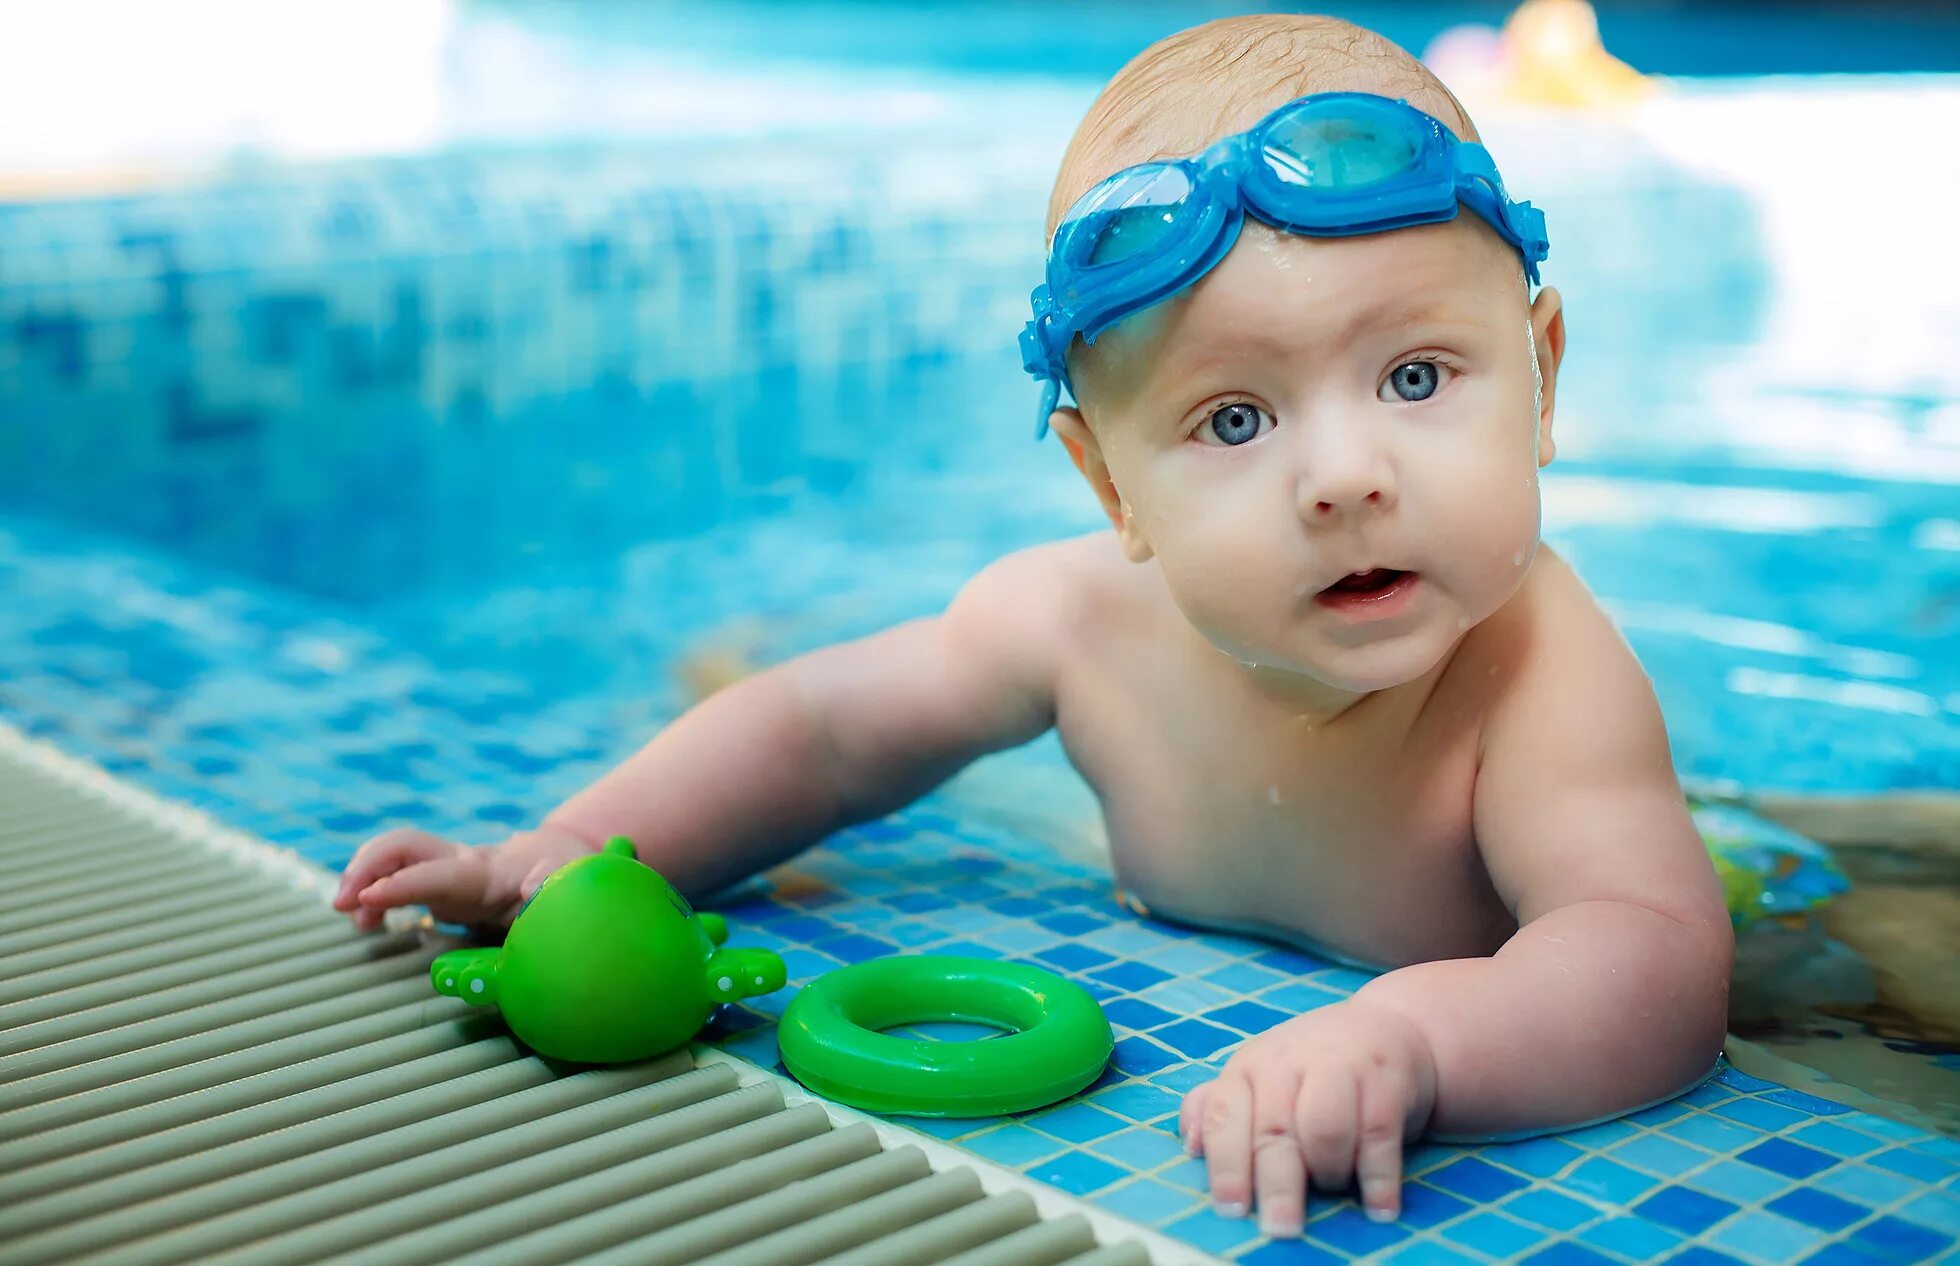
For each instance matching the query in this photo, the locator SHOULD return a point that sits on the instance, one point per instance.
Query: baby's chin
(1382, 664)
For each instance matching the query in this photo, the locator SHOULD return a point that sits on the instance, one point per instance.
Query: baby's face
(1331, 445)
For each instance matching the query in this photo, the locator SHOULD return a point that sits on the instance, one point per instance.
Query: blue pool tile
(854, 948)
(1494, 1235)
(1078, 1173)
(1195, 1039)
(1429, 1154)
(1594, 1138)
(1820, 1209)
(1244, 978)
(1188, 1174)
(1142, 1200)
(917, 902)
(806, 965)
(1135, 1014)
(1210, 1233)
(1348, 1230)
(1078, 1122)
(1840, 1254)
(799, 927)
(1014, 1145)
(1540, 1157)
(1754, 1233)
(1861, 1183)
(1735, 1079)
(1608, 1181)
(1658, 1154)
(1706, 1095)
(1130, 976)
(1806, 1103)
(1138, 1101)
(1793, 1160)
(1701, 1255)
(1290, 962)
(1019, 907)
(1913, 1164)
(1475, 1180)
(1072, 923)
(1895, 1239)
(1716, 1135)
(1071, 956)
(1187, 959)
(1690, 1212)
(948, 1128)
(1140, 1150)
(1835, 1139)
(1186, 997)
(1567, 1254)
(1184, 1078)
(1291, 1253)
(1764, 1116)
(1939, 1210)
(1139, 1056)
(1546, 1208)
(1741, 1183)
(1631, 1237)
(1661, 1114)
(1298, 999)
(1427, 1253)
(1425, 1206)
(1249, 1018)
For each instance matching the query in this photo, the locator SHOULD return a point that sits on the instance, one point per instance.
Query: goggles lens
(1127, 216)
(1348, 150)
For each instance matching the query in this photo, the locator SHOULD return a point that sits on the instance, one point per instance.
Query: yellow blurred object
(1552, 55)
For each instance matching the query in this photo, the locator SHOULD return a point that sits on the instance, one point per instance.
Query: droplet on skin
(1272, 794)
(1517, 559)
(1462, 623)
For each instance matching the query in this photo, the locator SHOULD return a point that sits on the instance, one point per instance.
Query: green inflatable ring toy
(1057, 1039)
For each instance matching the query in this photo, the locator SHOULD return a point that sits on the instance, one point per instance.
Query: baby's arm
(1614, 991)
(764, 768)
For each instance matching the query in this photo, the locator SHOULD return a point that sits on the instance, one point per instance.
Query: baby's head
(1329, 444)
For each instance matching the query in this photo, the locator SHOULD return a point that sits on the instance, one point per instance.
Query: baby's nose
(1349, 483)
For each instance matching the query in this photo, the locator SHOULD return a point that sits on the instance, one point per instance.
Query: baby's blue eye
(1413, 380)
(1236, 423)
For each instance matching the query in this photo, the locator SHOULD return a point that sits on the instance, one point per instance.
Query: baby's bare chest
(1360, 841)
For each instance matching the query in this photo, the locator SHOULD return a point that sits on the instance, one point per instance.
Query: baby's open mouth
(1377, 593)
(1374, 580)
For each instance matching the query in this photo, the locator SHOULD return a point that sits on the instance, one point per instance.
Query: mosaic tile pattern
(282, 719)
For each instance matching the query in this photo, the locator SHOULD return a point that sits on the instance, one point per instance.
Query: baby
(1325, 681)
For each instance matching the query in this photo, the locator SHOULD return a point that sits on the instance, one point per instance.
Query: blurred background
(406, 407)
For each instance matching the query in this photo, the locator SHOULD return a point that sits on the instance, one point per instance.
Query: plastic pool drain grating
(200, 1062)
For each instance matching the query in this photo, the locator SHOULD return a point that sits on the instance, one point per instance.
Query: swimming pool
(443, 466)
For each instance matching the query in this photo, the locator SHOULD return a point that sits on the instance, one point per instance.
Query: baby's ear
(1087, 454)
(1548, 341)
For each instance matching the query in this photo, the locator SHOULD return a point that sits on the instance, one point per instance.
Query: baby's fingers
(383, 855)
(1191, 1119)
(453, 887)
(1228, 1145)
(1378, 1158)
(1279, 1170)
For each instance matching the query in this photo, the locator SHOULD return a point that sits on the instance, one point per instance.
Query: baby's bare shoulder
(1552, 659)
(1052, 595)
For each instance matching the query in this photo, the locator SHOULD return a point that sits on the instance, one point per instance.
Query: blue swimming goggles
(1333, 164)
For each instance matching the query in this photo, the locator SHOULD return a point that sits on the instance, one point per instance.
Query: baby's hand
(1327, 1096)
(459, 884)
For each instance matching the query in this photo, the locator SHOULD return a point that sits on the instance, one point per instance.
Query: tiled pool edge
(1489, 1200)
(204, 831)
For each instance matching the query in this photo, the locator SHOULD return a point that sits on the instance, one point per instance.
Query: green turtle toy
(607, 962)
